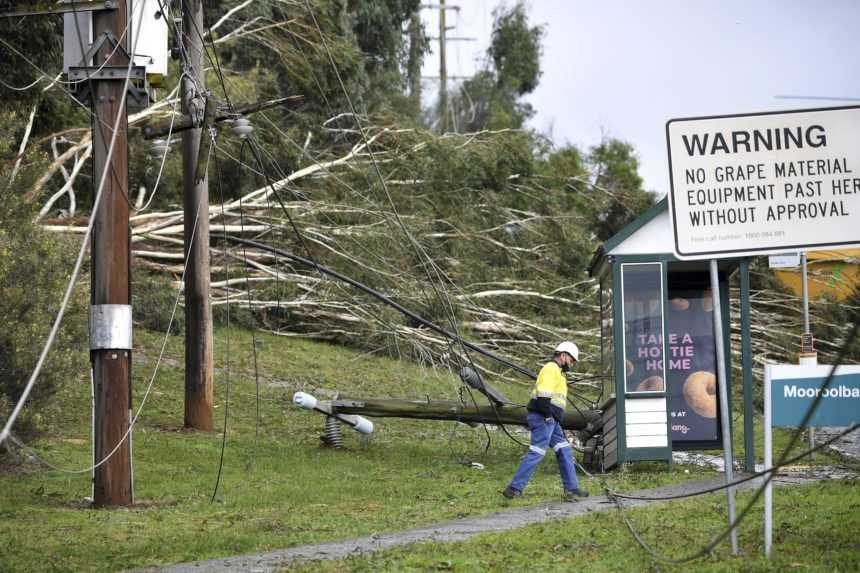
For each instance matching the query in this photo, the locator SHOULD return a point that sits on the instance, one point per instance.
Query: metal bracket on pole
(138, 94)
(110, 327)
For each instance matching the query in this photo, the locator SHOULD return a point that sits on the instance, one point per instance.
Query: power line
(227, 350)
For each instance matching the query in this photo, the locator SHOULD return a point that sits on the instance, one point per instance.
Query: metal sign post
(722, 382)
(768, 464)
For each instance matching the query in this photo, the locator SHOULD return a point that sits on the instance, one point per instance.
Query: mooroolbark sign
(764, 183)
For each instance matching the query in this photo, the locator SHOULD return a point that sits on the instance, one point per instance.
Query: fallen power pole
(452, 410)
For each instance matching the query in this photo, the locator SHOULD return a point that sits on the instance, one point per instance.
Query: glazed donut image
(700, 392)
(707, 300)
(680, 303)
(629, 366)
(651, 384)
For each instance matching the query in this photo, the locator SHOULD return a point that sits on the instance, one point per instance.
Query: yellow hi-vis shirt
(551, 384)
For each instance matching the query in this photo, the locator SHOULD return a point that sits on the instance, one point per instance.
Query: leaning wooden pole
(199, 396)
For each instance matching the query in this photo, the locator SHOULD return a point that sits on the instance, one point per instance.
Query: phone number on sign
(763, 234)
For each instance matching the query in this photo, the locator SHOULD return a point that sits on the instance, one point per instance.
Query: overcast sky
(623, 68)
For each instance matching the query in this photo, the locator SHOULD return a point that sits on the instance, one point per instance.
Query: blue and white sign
(794, 389)
(789, 392)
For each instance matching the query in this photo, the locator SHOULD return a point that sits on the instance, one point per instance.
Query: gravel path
(456, 530)
(848, 446)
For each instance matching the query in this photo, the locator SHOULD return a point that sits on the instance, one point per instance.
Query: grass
(277, 490)
(816, 530)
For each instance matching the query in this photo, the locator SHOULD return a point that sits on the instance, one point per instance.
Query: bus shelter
(658, 349)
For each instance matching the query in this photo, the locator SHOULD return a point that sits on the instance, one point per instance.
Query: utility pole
(443, 38)
(413, 66)
(110, 313)
(443, 71)
(199, 397)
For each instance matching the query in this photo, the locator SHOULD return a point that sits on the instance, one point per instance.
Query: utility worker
(544, 412)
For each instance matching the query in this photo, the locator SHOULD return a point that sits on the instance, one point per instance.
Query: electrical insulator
(159, 147)
(242, 127)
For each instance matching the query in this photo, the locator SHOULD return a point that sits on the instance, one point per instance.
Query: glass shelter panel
(607, 332)
(692, 358)
(642, 296)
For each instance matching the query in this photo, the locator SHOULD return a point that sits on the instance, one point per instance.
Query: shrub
(34, 270)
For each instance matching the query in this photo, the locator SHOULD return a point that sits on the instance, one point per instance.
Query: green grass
(278, 490)
(816, 530)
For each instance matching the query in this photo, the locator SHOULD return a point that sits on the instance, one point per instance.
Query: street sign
(784, 261)
(756, 184)
(794, 388)
(789, 392)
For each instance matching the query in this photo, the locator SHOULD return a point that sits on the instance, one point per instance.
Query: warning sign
(764, 183)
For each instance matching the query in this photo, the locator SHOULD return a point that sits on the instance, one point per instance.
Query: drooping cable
(251, 311)
(382, 297)
(227, 344)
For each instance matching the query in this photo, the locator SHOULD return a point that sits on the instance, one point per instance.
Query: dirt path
(456, 530)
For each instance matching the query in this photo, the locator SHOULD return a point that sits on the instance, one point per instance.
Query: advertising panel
(691, 368)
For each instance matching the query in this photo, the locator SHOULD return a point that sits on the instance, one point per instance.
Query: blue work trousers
(546, 433)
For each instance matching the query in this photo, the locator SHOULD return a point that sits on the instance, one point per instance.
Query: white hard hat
(569, 347)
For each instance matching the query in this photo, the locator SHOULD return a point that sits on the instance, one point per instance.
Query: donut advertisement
(691, 366)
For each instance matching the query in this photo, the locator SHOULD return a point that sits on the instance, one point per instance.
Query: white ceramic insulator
(363, 425)
(242, 127)
(304, 400)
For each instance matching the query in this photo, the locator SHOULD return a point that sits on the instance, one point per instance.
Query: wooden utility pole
(111, 311)
(199, 396)
(443, 71)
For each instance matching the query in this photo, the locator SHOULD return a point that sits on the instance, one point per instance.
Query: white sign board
(784, 261)
(764, 183)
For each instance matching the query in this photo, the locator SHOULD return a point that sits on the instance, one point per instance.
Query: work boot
(511, 493)
(574, 494)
